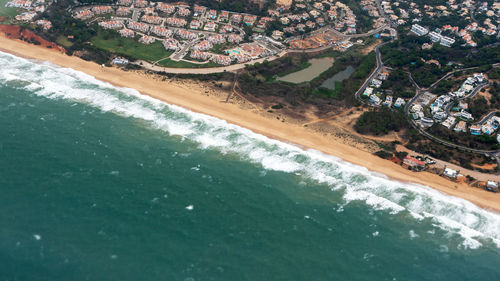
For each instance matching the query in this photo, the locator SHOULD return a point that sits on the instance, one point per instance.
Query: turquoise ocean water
(100, 183)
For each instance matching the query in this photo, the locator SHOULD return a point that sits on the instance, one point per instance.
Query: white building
(419, 30)
(450, 173)
(447, 41)
(435, 37)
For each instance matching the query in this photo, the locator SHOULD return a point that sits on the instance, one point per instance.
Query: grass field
(130, 47)
(7, 12)
(63, 41)
(184, 64)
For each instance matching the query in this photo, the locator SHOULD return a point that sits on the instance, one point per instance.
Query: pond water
(338, 77)
(317, 67)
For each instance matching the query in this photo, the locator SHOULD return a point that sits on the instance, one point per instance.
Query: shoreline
(197, 100)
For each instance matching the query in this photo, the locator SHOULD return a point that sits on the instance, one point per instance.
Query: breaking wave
(353, 182)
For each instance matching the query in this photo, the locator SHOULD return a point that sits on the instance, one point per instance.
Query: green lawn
(63, 41)
(184, 64)
(7, 12)
(130, 47)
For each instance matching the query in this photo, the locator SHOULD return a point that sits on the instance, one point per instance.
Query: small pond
(338, 77)
(317, 67)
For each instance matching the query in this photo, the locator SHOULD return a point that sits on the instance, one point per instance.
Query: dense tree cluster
(380, 122)
(478, 107)
(400, 84)
(240, 6)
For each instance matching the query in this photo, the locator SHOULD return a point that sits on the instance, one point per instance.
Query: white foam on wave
(355, 183)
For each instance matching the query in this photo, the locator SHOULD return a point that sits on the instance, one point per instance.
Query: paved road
(178, 55)
(448, 75)
(375, 72)
(135, 14)
(476, 90)
(488, 116)
(207, 70)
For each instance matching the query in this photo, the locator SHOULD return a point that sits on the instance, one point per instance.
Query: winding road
(374, 73)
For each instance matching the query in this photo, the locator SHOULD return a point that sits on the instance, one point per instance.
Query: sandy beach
(194, 97)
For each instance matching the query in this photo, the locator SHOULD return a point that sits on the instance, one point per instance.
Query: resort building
(119, 61)
(101, 10)
(375, 99)
(18, 4)
(419, 30)
(388, 101)
(123, 11)
(45, 24)
(224, 16)
(399, 102)
(112, 24)
(186, 35)
(149, 11)
(239, 58)
(236, 18)
(210, 26)
(487, 128)
(212, 14)
(234, 38)
(152, 19)
(277, 35)
(450, 173)
(226, 29)
(425, 121)
(198, 11)
(221, 59)
(195, 24)
(475, 129)
(126, 33)
(127, 3)
(203, 46)
(140, 3)
(200, 55)
(447, 41)
(183, 12)
(84, 14)
(249, 19)
(177, 22)
(165, 8)
(461, 126)
(434, 36)
(216, 39)
(368, 91)
(171, 44)
(413, 163)
(161, 31)
(138, 26)
(146, 39)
